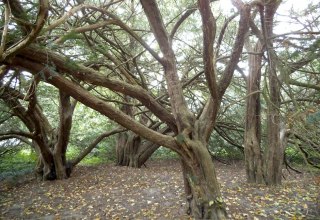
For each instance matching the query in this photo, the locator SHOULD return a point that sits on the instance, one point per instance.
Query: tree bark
(190, 134)
(59, 152)
(201, 185)
(252, 138)
(127, 149)
(132, 151)
(274, 152)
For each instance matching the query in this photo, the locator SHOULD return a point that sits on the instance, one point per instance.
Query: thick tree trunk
(132, 152)
(45, 166)
(127, 149)
(274, 151)
(60, 166)
(120, 148)
(201, 186)
(205, 199)
(252, 139)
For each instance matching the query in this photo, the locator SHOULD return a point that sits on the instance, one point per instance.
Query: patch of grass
(94, 160)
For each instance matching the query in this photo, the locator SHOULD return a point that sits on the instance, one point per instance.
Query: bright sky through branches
(283, 12)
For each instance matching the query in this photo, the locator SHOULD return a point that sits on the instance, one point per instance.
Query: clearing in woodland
(154, 192)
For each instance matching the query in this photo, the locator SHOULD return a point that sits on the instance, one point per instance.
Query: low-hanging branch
(91, 76)
(94, 144)
(91, 101)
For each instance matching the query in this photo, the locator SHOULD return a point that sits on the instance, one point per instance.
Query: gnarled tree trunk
(50, 145)
(127, 149)
(191, 132)
(201, 186)
(132, 151)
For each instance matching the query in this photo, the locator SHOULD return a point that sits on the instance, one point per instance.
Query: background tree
(51, 144)
(264, 160)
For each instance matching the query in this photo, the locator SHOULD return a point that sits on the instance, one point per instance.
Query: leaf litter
(154, 192)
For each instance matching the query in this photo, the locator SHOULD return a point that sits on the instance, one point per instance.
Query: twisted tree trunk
(201, 185)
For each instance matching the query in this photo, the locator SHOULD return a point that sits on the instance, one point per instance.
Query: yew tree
(74, 47)
(28, 117)
(131, 149)
(275, 56)
(50, 143)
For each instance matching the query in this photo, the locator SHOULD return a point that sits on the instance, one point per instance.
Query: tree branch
(209, 32)
(40, 21)
(91, 101)
(87, 150)
(91, 76)
(237, 47)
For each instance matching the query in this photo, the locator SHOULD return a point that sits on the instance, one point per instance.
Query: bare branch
(237, 47)
(91, 76)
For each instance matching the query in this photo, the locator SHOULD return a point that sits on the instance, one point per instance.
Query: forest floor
(154, 192)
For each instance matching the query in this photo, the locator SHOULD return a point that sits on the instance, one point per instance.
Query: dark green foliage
(293, 155)
(224, 150)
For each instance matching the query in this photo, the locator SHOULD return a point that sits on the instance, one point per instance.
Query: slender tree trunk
(274, 152)
(59, 152)
(252, 139)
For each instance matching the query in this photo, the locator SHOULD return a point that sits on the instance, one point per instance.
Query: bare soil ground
(154, 192)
